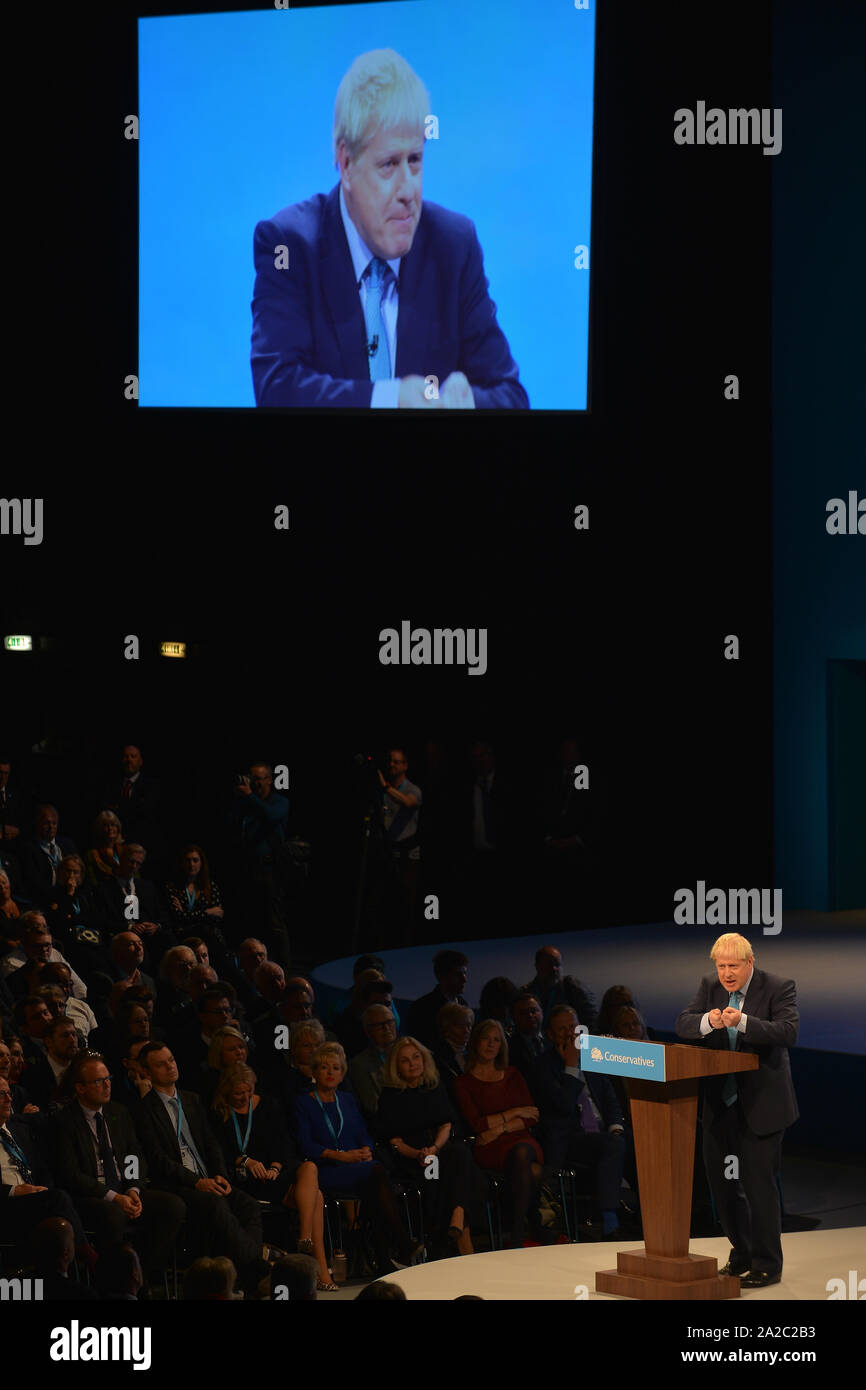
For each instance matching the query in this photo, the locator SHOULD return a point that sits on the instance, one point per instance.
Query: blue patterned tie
(380, 361)
(729, 1090)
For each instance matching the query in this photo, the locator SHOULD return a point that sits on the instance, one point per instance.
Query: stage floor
(556, 1272)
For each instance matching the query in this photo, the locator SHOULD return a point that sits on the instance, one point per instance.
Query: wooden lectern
(664, 1114)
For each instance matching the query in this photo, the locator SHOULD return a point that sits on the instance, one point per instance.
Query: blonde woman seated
(228, 1048)
(331, 1131)
(499, 1110)
(262, 1155)
(104, 857)
(416, 1119)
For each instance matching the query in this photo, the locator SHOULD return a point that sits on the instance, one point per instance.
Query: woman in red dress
(496, 1103)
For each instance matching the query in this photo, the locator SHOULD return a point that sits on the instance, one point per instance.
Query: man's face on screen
(382, 188)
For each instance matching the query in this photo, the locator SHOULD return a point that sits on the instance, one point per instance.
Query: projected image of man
(369, 295)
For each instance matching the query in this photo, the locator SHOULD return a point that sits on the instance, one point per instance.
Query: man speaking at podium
(368, 296)
(746, 1113)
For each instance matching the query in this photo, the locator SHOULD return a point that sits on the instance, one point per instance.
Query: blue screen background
(236, 113)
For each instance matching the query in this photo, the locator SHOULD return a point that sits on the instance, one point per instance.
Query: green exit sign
(18, 644)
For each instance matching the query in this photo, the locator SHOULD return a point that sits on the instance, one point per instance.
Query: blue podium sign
(619, 1057)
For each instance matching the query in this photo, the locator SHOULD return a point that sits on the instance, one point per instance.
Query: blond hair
(329, 1049)
(380, 91)
(732, 944)
(231, 1077)
(392, 1077)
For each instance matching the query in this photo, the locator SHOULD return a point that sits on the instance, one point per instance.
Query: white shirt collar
(358, 248)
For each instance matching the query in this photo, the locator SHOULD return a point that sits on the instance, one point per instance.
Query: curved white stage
(568, 1271)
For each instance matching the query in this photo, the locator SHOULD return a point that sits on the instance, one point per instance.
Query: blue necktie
(380, 361)
(729, 1090)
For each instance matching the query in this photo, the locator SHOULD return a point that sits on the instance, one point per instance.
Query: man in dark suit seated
(368, 296)
(43, 1077)
(132, 903)
(27, 1191)
(186, 1159)
(527, 1042)
(746, 1114)
(39, 856)
(451, 969)
(581, 1121)
(551, 987)
(191, 1042)
(100, 1161)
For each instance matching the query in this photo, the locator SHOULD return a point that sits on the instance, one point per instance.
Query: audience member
(260, 1152)
(52, 1250)
(9, 909)
(367, 1069)
(136, 798)
(381, 1291)
(496, 1000)
(451, 971)
(210, 1280)
(332, 1133)
(527, 1041)
(73, 915)
(59, 975)
(131, 903)
(581, 1120)
(44, 1075)
(118, 1276)
(349, 1027)
(500, 1111)
(101, 1163)
(551, 987)
(27, 1191)
(415, 1118)
(40, 854)
(454, 1023)
(36, 948)
(174, 1005)
(295, 1278)
(103, 858)
(12, 1066)
(186, 1159)
(260, 816)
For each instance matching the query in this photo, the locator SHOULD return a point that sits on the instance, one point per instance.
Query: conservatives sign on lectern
(381, 291)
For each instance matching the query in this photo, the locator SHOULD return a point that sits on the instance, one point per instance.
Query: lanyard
(242, 1147)
(190, 897)
(18, 1158)
(334, 1136)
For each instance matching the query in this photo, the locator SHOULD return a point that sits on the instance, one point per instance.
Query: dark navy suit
(309, 338)
(751, 1129)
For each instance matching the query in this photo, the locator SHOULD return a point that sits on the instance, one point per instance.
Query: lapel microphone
(373, 348)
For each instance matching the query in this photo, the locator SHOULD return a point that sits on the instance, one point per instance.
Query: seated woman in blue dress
(331, 1132)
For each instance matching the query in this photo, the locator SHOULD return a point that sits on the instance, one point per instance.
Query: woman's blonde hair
(231, 1077)
(329, 1049)
(306, 1027)
(392, 1076)
(478, 1032)
(215, 1051)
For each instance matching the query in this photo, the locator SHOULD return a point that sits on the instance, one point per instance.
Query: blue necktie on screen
(729, 1090)
(380, 360)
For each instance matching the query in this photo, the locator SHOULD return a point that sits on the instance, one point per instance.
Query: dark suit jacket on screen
(309, 338)
(772, 1023)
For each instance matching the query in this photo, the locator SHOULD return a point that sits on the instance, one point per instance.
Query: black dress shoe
(755, 1280)
(732, 1267)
